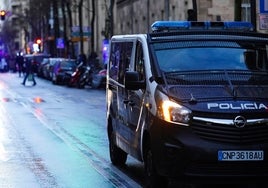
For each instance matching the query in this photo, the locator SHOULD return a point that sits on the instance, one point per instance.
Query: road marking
(27, 156)
(106, 169)
(103, 167)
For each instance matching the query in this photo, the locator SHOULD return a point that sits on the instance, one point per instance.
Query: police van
(190, 101)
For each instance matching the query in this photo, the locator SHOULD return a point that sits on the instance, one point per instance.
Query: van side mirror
(132, 81)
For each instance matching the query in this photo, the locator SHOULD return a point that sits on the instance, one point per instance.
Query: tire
(81, 83)
(81, 86)
(152, 177)
(117, 155)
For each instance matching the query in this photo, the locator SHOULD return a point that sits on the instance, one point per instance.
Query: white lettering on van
(240, 106)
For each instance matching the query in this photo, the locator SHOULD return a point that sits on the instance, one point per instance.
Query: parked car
(48, 67)
(41, 67)
(60, 68)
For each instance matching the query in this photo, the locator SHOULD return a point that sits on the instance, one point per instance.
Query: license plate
(231, 155)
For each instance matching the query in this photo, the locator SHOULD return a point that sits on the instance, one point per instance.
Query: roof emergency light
(239, 25)
(160, 26)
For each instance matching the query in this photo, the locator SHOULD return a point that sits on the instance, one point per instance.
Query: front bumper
(182, 153)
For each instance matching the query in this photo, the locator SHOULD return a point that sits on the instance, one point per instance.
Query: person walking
(19, 61)
(29, 72)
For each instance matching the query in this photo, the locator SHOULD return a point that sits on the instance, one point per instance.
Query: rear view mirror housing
(132, 81)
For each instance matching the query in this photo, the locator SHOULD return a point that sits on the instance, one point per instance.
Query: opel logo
(240, 121)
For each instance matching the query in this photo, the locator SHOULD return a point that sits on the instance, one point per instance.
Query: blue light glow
(206, 25)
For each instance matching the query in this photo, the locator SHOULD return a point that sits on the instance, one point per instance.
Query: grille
(239, 84)
(217, 77)
(250, 134)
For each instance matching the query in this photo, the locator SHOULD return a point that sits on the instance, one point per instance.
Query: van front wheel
(117, 155)
(152, 177)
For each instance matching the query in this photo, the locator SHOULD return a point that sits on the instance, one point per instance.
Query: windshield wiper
(233, 90)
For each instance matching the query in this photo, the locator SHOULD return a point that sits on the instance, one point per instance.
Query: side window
(139, 61)
(120, 60)
(114, 60)
(124, 64)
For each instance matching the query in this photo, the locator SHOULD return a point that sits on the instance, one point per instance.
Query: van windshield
(194, 56)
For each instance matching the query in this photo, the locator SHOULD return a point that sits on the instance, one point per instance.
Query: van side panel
(121, 53)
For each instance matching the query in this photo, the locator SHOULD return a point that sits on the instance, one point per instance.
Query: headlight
(173, 112)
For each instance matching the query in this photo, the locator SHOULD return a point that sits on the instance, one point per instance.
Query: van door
(121, 58)
(135, 103)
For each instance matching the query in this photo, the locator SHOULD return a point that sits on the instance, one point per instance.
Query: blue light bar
(170, 25)
(239, 25)
(160, 26)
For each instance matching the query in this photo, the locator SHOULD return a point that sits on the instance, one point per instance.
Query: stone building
(136, 16)
(132, 16)
(14, 10)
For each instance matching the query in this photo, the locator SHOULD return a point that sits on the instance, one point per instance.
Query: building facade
(13, 25)
(136, 16)
(126, 17)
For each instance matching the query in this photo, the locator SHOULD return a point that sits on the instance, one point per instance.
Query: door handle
(126, 101)
(131, 103)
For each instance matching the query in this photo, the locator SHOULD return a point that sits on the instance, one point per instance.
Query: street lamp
(3, 14)
(37, 45)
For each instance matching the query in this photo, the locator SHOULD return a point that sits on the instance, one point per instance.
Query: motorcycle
(85, 78)
(93, 76)
(80, 77)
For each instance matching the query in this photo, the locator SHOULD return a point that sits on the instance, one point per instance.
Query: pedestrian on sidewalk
(29, 72)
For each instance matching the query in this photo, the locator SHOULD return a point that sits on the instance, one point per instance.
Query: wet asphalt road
(55, 136)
